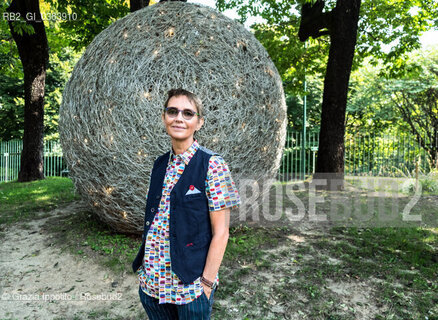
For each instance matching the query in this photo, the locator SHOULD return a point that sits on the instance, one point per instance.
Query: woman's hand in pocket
(207, 290)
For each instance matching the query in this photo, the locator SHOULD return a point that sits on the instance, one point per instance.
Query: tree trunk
(138, 4)
(34, 54)
(343, 34)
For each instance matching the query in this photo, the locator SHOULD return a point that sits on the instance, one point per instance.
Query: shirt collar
(188, 154)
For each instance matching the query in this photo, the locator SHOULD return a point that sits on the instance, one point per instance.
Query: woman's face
(178, 128)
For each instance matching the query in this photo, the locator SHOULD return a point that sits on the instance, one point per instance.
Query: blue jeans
(198, 309)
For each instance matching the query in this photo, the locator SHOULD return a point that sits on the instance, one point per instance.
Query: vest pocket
(196, 210)
(190, 197)
(196, 254)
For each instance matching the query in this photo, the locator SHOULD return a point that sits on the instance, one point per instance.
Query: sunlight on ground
(43, 198)
(296, 238)
(38, 191)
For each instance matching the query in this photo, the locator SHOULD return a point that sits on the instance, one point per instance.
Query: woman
(186, 220)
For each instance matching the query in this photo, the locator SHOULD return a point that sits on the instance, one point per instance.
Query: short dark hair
(193, 98)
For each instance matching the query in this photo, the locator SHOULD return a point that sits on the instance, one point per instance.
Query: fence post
(417, 164)
(7, 163)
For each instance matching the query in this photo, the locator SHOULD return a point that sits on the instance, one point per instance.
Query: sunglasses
(187, 114)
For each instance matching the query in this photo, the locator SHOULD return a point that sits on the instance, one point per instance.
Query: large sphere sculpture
(110, 118)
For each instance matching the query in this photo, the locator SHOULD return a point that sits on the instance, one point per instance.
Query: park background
(391, 131)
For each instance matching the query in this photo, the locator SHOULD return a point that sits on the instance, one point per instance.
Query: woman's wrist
(208, 283)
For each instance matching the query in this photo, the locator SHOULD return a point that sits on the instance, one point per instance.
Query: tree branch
(314, 22)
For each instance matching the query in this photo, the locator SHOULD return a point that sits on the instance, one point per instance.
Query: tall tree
(416, 97)
(30, 36)
(382, 24)
(341, 25)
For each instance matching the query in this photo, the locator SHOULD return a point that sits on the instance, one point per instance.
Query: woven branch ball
(110, 118)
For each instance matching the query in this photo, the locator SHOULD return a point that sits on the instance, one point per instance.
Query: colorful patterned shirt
(156, 276)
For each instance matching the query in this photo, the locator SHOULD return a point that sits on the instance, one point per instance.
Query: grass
(277, 271)
(24, 201)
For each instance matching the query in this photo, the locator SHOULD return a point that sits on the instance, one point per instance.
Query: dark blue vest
(189, 228)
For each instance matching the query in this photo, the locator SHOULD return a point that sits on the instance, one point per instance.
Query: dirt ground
(39, 281)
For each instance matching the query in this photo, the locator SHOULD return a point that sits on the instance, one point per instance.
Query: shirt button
(153, 209)
(158, 197)
(148, 223)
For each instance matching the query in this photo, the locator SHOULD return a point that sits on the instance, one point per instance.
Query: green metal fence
(291, 163)
(10, 154)
(394, 155)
